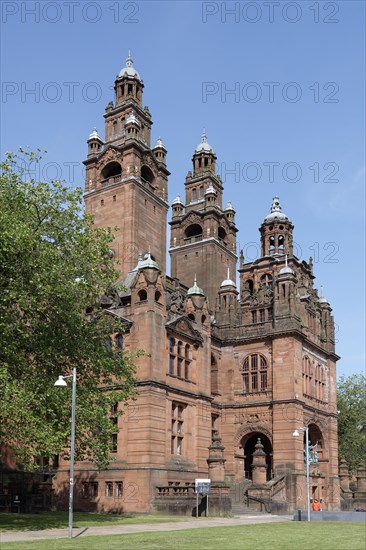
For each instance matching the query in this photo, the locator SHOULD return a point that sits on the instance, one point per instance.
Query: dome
(286, 270)
(322, 299)
(129, 71)
(177, 200)
(228, 281)
(159, 144)
(131, 119)
(276, 211)
(228, 207)
(210, 190)
(147, 262)
(95, 135)
(203, 145)
(195, 290)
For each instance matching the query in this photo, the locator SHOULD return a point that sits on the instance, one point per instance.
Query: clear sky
(279, 87)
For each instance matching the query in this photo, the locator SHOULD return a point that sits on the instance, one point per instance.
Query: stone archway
(248, 443)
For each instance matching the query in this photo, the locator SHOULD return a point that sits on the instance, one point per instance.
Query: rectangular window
(214, 424)
(270, 314)
(108, 489)
(264, 380)
(186, 370)
(119, 489)
(179, 367)
(254, 316)
(93, 489)
(254, 381)
(114, 443)
(245, 382)
(261, 315)
(171, 365)
(254, 362)
(177, 423)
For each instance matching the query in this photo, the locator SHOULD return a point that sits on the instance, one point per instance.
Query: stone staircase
(240, 504)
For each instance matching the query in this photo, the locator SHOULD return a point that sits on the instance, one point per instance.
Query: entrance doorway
(248, 444)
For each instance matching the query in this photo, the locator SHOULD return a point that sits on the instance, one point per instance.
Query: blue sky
(279, 87)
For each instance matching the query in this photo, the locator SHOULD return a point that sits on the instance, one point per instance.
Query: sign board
(202, 486)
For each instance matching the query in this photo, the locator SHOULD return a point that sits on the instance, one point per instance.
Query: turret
(276, 232)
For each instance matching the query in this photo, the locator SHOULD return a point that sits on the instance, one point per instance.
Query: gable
(182, 326)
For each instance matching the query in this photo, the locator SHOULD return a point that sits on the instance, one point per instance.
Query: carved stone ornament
(183, 326)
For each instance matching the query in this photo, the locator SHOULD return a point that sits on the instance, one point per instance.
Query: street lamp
(296, 434)
(61, 382)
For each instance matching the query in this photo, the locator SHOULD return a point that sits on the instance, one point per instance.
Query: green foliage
(54, 267)
(351, 403)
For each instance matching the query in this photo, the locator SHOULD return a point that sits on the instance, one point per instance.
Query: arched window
(180, 359)
(171, 356)
(147, 174)
(263, 374)
(267, 281)
(214, 375)
(193, 230)
(222, 233)
(255, 377)
(187, 361)
(201, 192)
(142, 295)
(111, 170)
(281, 244)
(157, 296)
(306, 375)
(246, 376)
(249, 285)
(119, 341)
(271, 245)
(194, 194)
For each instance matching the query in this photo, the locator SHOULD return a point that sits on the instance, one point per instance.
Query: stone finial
(216, 459)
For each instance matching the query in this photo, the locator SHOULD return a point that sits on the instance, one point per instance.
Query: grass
(59, 520)
(275, 536)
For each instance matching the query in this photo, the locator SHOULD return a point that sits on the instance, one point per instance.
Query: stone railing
(175, 491)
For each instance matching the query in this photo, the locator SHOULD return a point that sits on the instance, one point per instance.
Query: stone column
(344, 475)
(361, 480)
(216, 461)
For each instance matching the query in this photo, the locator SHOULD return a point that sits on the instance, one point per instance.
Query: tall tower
(203, 233)
(126, 180)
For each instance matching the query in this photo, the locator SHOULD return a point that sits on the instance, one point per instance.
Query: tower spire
(129, 60)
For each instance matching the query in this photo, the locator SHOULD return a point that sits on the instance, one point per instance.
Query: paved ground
(13, 536)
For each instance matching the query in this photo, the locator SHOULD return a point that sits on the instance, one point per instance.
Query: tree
(351, 402)
(54, 268)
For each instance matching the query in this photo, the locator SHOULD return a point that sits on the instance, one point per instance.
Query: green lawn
(281, 536)
(54, 520)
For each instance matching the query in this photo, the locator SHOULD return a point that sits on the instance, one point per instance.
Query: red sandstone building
(231, 369)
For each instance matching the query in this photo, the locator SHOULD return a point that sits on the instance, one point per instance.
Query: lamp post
(61, 382)
(296, 434)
